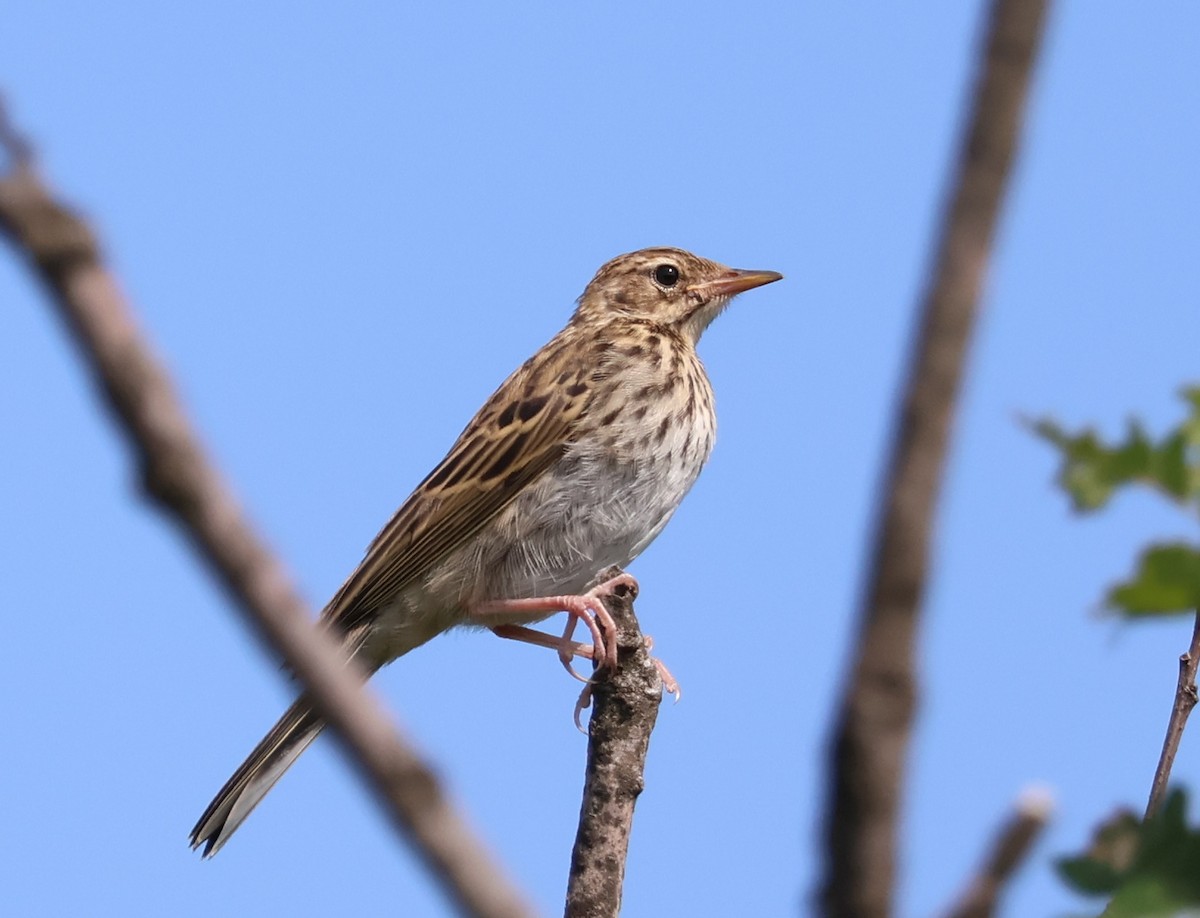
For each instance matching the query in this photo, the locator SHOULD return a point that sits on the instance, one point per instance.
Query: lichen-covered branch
(624, 710)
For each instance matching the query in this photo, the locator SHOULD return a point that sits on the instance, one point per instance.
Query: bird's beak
(735, 281)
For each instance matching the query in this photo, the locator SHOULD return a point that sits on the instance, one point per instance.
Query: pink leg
(575, 606)
(564, 645)
(587, 608)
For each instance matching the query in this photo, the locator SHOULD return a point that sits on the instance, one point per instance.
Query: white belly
(588, 512)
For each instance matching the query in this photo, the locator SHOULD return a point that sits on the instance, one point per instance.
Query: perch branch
(624, 709)
(871, 735)
(64, 253)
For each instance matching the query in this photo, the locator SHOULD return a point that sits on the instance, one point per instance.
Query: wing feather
(524, 427)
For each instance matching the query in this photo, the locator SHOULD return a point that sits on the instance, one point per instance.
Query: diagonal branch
(62, 250)
(625, 708)
(1010, 847)
(876, 711)
(1185, 701)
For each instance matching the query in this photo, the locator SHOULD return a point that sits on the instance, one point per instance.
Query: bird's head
(666, 286)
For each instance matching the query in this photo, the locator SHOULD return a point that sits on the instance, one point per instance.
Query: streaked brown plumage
(574, 464)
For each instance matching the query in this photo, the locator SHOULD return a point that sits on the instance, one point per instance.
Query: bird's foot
(598, 620)
(587, 608)
(669, 683)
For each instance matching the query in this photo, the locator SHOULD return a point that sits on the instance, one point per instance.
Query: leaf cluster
(1149, 868)
(1167, 577)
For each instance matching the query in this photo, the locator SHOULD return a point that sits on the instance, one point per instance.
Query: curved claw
(569, 665)
(581, 704)
(594, 600)
(670, 683)
(601, 650)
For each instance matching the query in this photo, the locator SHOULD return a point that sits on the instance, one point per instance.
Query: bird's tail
(255, 776)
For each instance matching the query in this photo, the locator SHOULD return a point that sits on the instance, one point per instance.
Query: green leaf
(1088, 876)
(1191, 426)
(1167, 580)
(1092, 470)
(1151, 868)
(1109, 855)
(1147, 897)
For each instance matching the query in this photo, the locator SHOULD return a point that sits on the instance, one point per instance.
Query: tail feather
(273, 756)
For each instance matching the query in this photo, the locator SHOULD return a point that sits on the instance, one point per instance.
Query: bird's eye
(666, 275)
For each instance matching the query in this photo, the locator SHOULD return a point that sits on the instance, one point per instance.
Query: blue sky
(344, 226)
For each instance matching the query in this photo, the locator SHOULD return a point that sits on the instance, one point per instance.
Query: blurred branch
(1010, 847)
(876, 712)
(625, 708)
(1185, 700)
(175, 472)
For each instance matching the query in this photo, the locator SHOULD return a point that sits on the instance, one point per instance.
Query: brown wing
(519, 433)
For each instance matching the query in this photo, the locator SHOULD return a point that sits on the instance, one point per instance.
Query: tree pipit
(573, 465)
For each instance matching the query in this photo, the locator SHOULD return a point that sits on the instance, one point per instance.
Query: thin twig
(876, 712)
(625, 707)
(1011, 845)
(176, 473)
(1185, 700)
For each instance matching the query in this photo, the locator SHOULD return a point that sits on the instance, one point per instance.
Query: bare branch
(625, 708)
(876, 711)
(1185, 700)
(175, 472)
(1010, 847)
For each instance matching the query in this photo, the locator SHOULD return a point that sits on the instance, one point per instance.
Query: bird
(573, 465)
